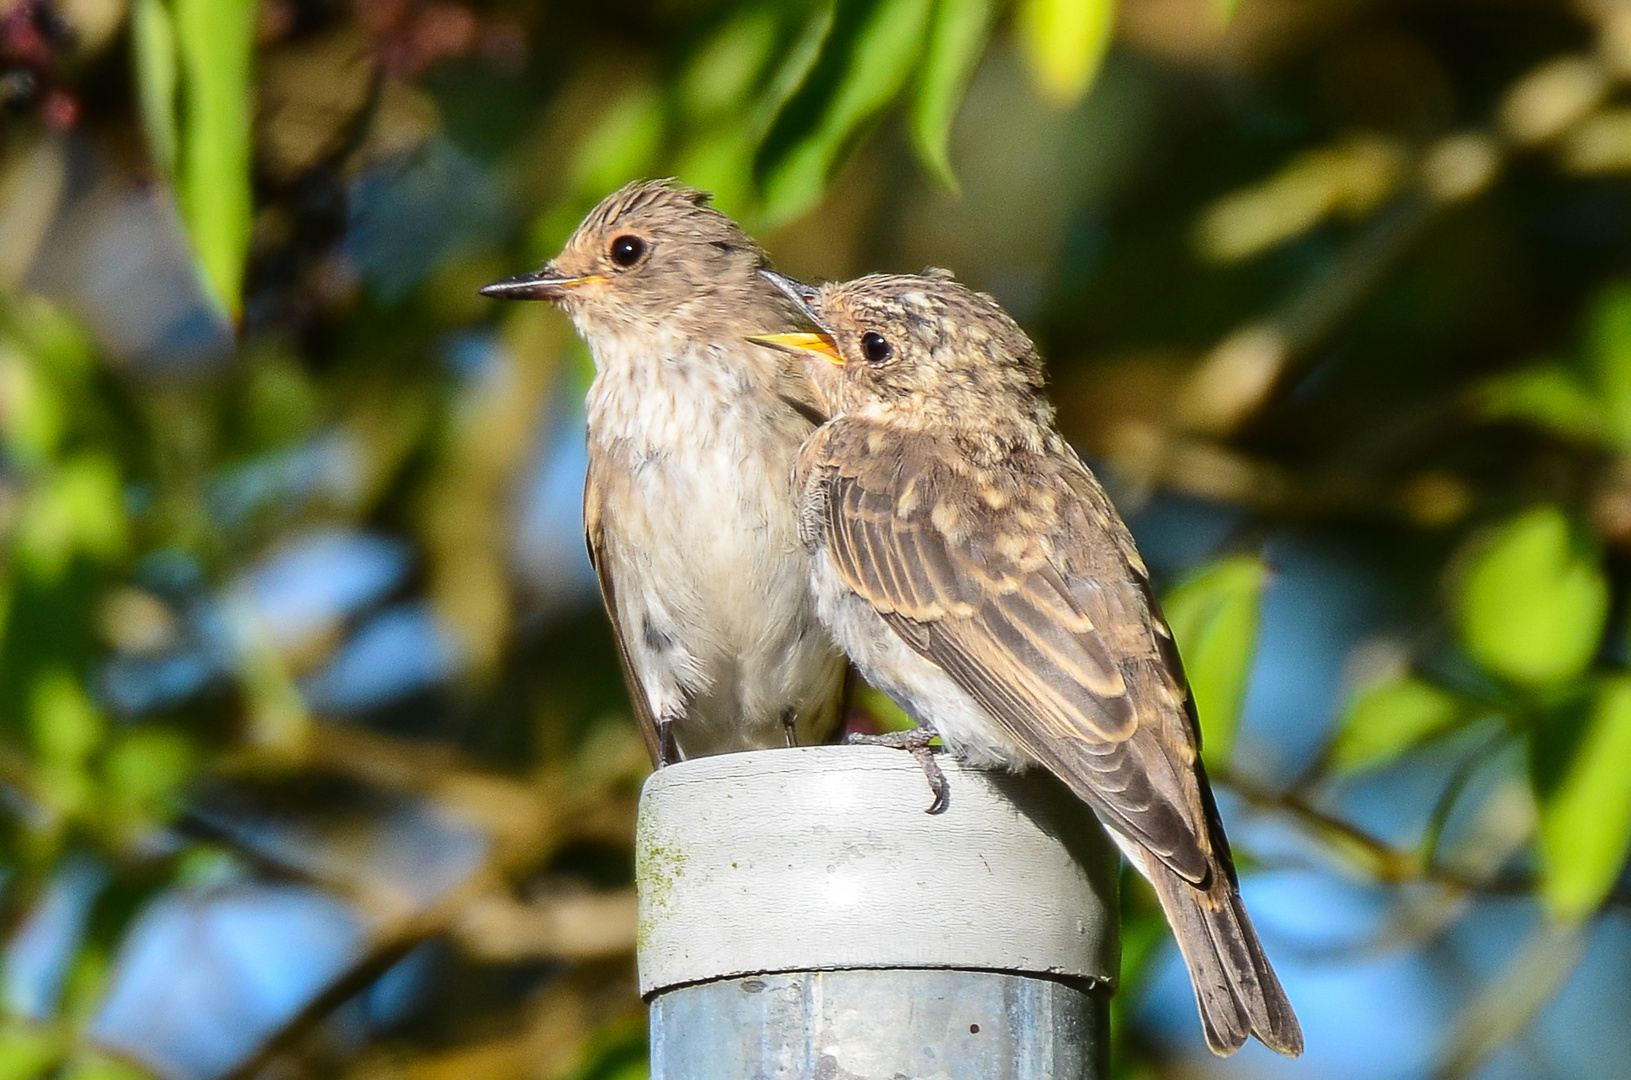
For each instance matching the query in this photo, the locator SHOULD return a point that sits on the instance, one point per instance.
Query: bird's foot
(914, 741)
(912, 738)
(790, 729)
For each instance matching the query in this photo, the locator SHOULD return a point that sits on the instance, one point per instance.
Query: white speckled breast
(712, 585)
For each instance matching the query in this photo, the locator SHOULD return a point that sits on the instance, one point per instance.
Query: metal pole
(802, 917)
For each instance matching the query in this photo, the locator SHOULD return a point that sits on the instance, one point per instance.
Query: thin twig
(1386, 863)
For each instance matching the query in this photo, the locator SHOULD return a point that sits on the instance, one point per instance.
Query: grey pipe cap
(822, 858)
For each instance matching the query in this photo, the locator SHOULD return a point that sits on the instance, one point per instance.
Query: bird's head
(916, 349)
(652, 255)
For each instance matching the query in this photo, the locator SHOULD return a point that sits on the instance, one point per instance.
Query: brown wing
(1021, 583)
(594, 538)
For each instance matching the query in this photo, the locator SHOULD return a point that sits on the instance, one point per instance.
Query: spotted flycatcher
(973, 569)
(688, 507)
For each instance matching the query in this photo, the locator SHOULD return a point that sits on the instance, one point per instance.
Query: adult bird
(688, 507)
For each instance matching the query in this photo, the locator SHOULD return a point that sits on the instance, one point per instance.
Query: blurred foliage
(1065, 42)
(313, 756)
(1214, 619)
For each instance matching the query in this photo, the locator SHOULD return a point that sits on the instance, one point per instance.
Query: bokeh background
(313, 757)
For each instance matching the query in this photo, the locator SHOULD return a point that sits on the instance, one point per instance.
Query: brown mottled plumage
(973, 568)
(688, 509)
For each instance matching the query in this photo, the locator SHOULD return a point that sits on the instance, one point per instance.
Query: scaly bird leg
(914, 741)
(668, 751)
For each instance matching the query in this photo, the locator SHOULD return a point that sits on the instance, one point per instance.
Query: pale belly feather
(721, 627)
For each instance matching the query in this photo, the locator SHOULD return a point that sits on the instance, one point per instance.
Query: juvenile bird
(973, 569)
(688, 507)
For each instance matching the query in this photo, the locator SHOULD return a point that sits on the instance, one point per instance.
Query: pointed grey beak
(543, 284)
(801, 294)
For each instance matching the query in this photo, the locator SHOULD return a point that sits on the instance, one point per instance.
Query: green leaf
(719, 78)
(1610, 353)
(1533, 601)
(1387, 720)
(281, 402)
(52, 338)
(26, 1054)
(889, 715)
(102, 1067)
(143, 772)
(78, 509)
(721, 162)
(215, 40)
(1226, 10)
(33, 414)
(622, 146)
(617, 1051)
(65, 723)
(1064, 42)
(957, 35)
(1585, 810)
(83, 990)
(870, 50)
(66, 729)
(1214, 618)
(46, 368)
(800, 46)
(1550, 398)
(153, 42)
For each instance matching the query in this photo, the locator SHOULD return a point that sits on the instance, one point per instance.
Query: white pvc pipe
(800, 914)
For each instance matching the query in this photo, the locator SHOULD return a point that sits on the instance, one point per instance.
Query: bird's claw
(914, 741)
(937, 780)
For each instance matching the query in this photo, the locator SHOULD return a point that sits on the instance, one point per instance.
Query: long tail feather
(1235, 988)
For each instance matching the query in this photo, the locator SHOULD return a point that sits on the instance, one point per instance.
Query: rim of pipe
(822, 858)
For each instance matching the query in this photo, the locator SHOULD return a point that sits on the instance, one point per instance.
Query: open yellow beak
(820, 344)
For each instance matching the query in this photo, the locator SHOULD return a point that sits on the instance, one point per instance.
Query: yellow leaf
(1064, 41)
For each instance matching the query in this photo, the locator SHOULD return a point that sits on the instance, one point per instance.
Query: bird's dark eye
(875, 347)
(627, 250)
